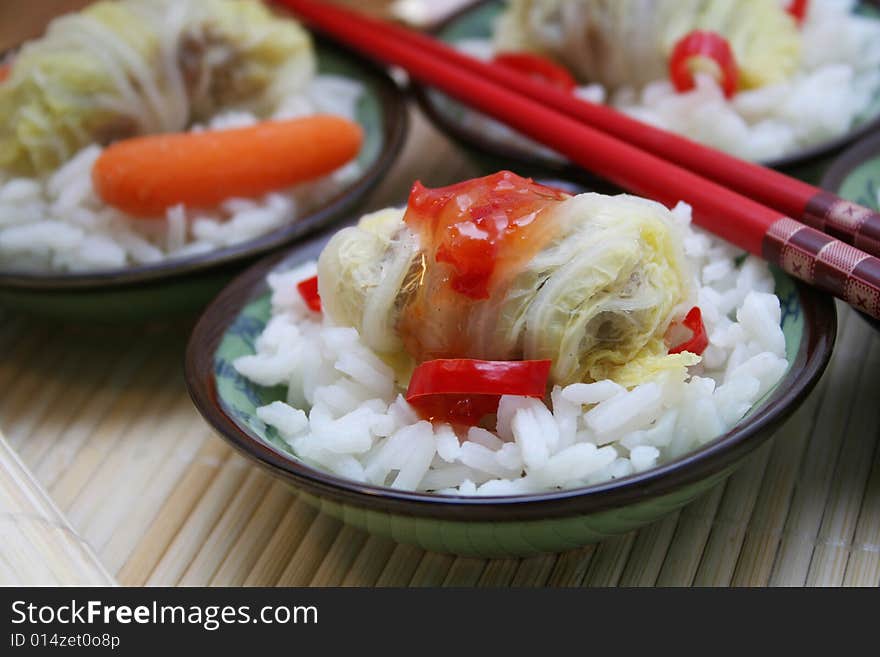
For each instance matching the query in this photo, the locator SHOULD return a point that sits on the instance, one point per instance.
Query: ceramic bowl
(476, 22)
(185, 285)
(855, 176)
(487, 526)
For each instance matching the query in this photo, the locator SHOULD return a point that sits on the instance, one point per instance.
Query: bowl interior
(477, 23)
(231, 325)
(381, 111)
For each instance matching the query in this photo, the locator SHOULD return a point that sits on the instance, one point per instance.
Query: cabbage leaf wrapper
(628, 42)
(134, 67)
(604, 278)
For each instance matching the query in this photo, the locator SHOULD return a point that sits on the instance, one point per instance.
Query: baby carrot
(145, 175)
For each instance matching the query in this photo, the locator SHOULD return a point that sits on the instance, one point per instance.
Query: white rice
(838, 77)
(344, 412)
(58, 223)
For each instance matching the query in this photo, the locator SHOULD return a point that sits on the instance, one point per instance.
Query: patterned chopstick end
(845, 220)
(829, 264)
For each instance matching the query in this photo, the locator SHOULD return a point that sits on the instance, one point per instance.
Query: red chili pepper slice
(798, 9)
(699, 340)
(464, 390)
(707, 45)
(537, 67)
(308, 290)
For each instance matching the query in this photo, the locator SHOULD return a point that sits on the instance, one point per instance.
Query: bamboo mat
(39, 547)
(102, 420)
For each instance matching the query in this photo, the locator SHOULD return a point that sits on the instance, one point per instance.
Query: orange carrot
(5, 70)
(146, 175)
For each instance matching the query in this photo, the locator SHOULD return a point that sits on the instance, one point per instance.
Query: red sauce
(475, 236)
(471, 224)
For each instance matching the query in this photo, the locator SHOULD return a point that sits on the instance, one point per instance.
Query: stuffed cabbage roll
(501, 268)
(119, 69)
(628, 42)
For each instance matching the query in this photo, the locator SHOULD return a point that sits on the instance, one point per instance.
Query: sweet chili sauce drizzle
(475, 224)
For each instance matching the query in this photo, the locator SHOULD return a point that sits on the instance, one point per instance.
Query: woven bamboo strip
(401, 565)
(30, 380)
(100, 443)
(863, 567)
(571, 567)
(608, 561)
(240, 559)
(145, 479)
(81, 406)
(283, 544)
(534, 571)
(763, 537)
(39, 547)
(339, 557)
(125, 467)
(8, 574)
(236, 514)
(465, 571)
(311, 551)
(18, 351)
(78, 361)
(54, 446)
(820, 459)
(48, 373)
(370, 562)
(132, 527)
(649, 552)
(689, 541)
(841, 514)
(499, 572)
(116, 488)
(432, 569)
(188, 541)
(730, 523)
(172, 515)
(62, 380)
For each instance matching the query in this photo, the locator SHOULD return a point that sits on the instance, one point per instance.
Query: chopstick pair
(818, 208)
(566, 125)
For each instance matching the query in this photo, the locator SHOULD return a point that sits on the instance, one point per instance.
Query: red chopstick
(816, 207)
(802, 251)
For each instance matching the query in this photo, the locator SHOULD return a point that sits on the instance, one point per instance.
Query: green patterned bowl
(476, 22)
(499, 526)
(855, 176)
(184, 286)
